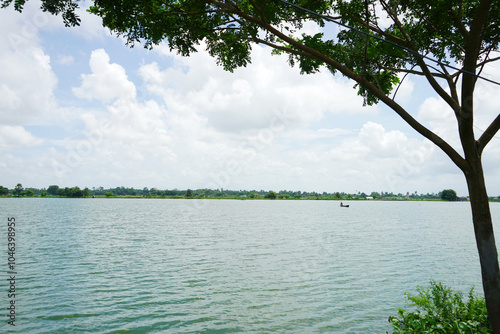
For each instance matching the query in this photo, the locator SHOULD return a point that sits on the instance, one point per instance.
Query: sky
(80, 108)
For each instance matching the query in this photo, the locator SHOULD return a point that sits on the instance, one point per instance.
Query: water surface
(225, 266)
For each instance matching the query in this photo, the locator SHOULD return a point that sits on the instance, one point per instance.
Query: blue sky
(79, 108)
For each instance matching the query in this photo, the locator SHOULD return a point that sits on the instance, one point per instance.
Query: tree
(449, 195)
(447, 43)
(86, 192)
(189, 194)
(18, 190)
(52, 190)
(3, 191)
(271, 195)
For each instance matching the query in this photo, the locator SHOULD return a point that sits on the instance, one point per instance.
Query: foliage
(108, 194)
(65, 7)
(18, 190)
(441, 310)
(271, 195)
(189, 194)
(73, 192)
(53, 190)
(449, 195)
(3, 191)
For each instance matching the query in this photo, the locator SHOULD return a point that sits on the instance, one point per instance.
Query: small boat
(344, 206)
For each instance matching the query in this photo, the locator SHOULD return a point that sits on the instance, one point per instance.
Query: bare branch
(486, 61)
(399, 85)
(451, 84)
(488, 134)
(411, 71)
(281, 47)
(376, 29)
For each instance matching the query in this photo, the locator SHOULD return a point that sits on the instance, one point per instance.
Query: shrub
(449, 195)
(441, 310)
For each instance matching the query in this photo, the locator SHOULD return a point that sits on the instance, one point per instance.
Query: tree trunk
(485, 241)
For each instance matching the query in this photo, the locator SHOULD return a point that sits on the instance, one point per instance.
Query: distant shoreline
(54, 191)
(250, 199)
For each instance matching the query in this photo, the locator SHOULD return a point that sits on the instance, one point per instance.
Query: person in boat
(341, 204)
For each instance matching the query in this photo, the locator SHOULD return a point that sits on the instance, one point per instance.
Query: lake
(228, 266)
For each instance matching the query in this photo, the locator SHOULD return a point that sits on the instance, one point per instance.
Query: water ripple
(156, 266)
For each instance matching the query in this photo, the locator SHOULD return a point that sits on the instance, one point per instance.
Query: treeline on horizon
(76, 192)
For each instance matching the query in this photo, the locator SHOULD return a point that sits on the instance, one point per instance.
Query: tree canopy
(449, 195)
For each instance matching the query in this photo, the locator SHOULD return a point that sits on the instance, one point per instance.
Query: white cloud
(249, 98)
(27, 80)
(380, 142)
(405, 90)
(14, 137)
(107, 82)
(487, 98)
(26, 92)
(439, 117)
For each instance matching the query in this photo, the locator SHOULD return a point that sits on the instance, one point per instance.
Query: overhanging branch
(421, 63)
(281, 48)
(315, 54)
(488, 134)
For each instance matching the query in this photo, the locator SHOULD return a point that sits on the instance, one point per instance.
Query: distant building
(369, 197)
(463, 199)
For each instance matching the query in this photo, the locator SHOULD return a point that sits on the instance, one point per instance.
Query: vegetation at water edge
(76, 192)
(439, 309)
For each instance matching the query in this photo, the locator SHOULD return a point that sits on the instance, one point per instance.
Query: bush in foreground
(441, 310)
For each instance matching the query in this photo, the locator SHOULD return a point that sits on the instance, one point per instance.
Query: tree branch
(376, 29)
(488, 134)
(472, 47)
(420, 61)
(458, 23)
(486, 61)
(451, 84)
(310, 52)
(404, 70)
(281, 47)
